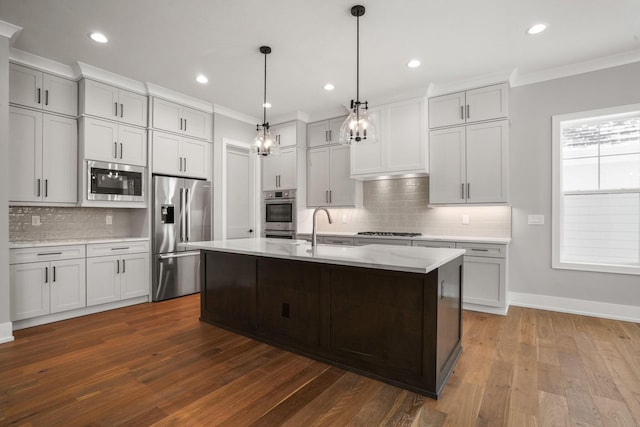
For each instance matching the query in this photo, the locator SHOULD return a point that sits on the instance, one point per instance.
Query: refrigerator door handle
(182, 214)
(180, 255)
(187, 214)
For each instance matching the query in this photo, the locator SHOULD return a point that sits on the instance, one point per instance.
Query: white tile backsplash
(402, 205)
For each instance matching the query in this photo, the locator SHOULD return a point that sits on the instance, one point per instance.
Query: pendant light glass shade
(358, 128)
(264, 143)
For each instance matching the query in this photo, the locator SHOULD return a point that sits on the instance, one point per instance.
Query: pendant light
(265, 143)
(358, 127)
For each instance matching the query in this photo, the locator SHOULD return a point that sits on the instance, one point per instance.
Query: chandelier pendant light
(358, 128)
(265, 143)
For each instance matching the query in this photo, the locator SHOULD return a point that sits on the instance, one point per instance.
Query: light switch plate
(535, 220)
(35, 219)
(465, 219)
(109, 219)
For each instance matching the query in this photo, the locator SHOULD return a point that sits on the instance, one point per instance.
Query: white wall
(531, 108)
(225, 127)
(5, 316)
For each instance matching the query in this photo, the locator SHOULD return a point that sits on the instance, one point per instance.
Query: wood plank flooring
(157, 364)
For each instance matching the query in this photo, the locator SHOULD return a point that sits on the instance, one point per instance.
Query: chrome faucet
(313, 230)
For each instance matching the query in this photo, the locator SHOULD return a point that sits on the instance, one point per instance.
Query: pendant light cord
(358, 59)
(264, 104)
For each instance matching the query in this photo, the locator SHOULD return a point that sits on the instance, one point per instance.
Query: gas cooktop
(388, 234)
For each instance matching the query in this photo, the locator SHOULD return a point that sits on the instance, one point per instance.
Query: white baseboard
(629, 313)
(6, 332)
(486, 309)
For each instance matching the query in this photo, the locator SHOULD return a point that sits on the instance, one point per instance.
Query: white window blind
(596, 216)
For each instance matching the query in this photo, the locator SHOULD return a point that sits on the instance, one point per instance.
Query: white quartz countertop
(384, 257)
(471, 239)
(66, 242)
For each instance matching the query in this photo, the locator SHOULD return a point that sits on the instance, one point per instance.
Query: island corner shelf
(401, 327)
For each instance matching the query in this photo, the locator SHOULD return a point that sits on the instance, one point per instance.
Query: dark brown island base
(400, 327)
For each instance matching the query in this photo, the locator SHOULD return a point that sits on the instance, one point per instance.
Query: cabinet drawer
(484, 249)
(103, 249)
(333, 240)
(45, 253)
(434, 244)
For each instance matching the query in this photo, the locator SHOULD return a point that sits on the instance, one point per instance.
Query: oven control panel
(284, 194)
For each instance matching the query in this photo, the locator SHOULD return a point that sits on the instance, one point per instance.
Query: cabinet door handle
(468, 112)
(46, 275)
(462, 190)
(46, 188)
(121, 150)
(49, 253)
(115, 149)
(461, 112)
(184, 160)
(121, 110)
(39, 92)
(124, 267)
(117, 266)
(479, 250)
(180, 164)
(38, 187)
(185, 125)
(180, 123)
(330, 197)
(468, 191)
(46, 102)
(116, 104)
(54, 274)
(326, 135)
(326, 196)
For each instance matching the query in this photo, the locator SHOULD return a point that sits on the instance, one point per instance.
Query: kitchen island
(388, 312)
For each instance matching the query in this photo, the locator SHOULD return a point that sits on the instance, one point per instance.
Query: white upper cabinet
(476, 105)
(177, 118)
(285, 134)
(324, 132)
(180, 156)
(35, 89)
(113, 142)
(328, 178)
(469, 164)
(279, 171)
(109, 102)
(402, 142)
(43, 152)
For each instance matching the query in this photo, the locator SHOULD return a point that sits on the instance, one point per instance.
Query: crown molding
(94, 73)
(52, 67)
(180, 98)
(10, 31)
(611, 61)
(228, 112)
(500, 76)
(283, 118)
(330, 114)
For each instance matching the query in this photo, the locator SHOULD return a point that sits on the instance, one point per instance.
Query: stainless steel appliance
(181, 213)
(115, 182)
(279, 218)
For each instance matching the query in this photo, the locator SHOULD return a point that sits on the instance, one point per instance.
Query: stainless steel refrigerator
(181, 213)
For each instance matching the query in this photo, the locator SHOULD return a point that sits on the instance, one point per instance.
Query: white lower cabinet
(116, 277)
(46, 287)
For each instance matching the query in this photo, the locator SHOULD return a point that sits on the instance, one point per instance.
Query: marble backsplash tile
(59, 223)
(402, 205)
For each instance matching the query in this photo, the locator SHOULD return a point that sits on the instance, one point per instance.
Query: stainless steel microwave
(115, 182)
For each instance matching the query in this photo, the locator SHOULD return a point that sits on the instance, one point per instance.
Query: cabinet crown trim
(177, 97)
(103, 76)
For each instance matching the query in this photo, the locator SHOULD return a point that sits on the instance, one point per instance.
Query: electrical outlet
(535, 219)
(344, 218)
(465, 219)
(109, 220)
(35, 219)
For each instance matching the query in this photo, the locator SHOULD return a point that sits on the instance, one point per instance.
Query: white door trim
(226, 143)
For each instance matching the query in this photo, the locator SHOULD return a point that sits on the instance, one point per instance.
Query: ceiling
(168, 42)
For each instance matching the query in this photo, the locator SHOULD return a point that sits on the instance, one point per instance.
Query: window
(596, 190)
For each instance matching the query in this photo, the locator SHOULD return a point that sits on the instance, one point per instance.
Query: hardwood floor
(157, 364)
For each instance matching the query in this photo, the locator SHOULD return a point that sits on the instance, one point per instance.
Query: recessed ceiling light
(98, 37)
(329, 86)
(536, 29)
(202, 79)
(266, 105)
(414, 63)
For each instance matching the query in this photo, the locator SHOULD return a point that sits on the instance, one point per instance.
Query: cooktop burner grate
(388, 234)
